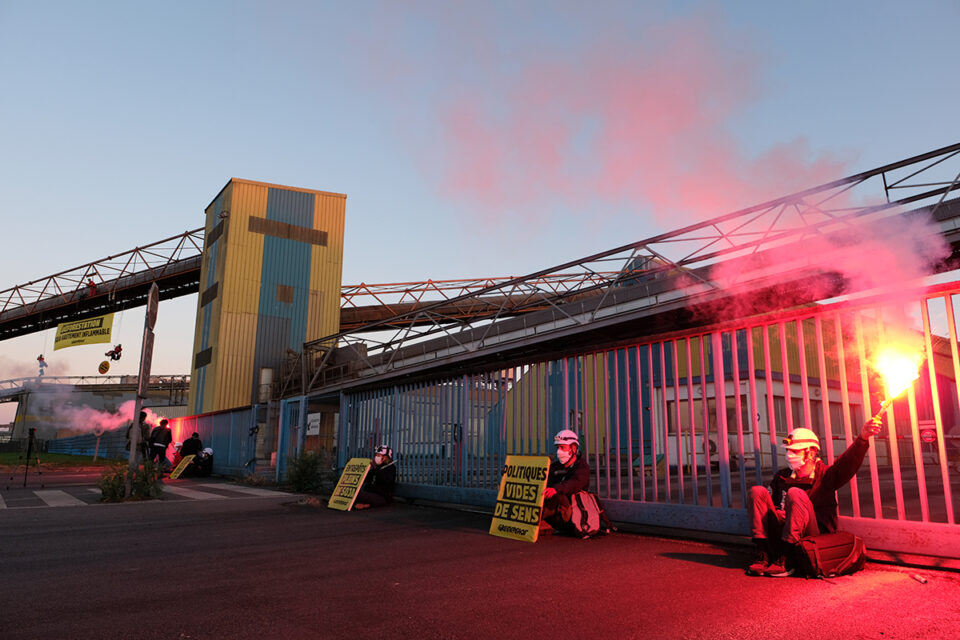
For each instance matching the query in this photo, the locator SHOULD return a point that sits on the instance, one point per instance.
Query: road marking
(192, 494)
(57, 498)
(3, 505)
(253, 491)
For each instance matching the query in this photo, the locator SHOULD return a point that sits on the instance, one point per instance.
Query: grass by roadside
(56, 460)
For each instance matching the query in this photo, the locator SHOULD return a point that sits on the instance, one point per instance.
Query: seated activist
(801, 500)
(191, 446)
(377, 489)
(567, 475)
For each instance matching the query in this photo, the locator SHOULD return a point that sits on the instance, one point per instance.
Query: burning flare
(899, 365)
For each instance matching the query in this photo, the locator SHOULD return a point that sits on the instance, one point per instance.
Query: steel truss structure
(113, 283)
(668, 270)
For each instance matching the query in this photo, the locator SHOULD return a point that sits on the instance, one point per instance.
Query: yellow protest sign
(517, 514)
(345, 493)
(89, 331)
(183, 464)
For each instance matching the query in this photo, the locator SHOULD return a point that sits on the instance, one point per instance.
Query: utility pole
(146, 356)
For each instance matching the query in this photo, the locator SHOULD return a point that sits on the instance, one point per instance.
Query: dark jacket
(381, 480)
(161, 436)
(569, 480)
(826, 480)
(191, 447)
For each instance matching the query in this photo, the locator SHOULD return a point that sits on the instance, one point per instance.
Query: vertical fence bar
(720, 400)
(845, 406)
(937, 414)
(664, 419)
(691, 417)
(616, 416)
(464, 432)
(771, 411)
(596, 421)
(824, 388)
(735, 370)
(785, 373)
(918, 456)
(754, 409)
(894, 443)
(865, 400)
(705, 407)
(640, 438)
(654, 411)
(804, 378)
(676, 423)
(628, 387)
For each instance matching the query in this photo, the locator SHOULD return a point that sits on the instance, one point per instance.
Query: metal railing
(676, 428)
(684, 257)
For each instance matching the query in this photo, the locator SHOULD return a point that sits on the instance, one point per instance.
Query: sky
(472, 139)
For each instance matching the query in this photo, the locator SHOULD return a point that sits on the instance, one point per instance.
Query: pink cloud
(642, 123)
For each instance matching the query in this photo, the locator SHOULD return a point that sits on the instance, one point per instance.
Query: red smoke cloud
(642, 123)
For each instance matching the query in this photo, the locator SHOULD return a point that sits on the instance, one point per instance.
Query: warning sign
(89, 331)
(345, 493)
(517, 514)
(183, 464)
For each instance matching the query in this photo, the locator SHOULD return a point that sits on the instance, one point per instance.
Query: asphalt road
(272, 567)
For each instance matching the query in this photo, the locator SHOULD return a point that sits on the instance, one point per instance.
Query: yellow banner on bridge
(517, 514)
(345, 493)
(79, 332)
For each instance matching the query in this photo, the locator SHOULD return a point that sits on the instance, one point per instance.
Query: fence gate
(676, 428)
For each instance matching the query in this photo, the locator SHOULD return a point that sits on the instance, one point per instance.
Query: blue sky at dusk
(471, 138)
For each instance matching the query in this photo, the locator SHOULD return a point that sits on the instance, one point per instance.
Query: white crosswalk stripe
(57, 498)
(192, 493)
(253, 491)
(86, 496)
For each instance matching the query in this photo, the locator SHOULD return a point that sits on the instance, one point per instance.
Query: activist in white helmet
(801, 500)
(567, 475)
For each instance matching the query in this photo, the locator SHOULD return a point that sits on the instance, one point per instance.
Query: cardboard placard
(183, 464)
(345, 493)
(517, 514)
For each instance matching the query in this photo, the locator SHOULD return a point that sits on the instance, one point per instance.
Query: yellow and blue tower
(269, 281)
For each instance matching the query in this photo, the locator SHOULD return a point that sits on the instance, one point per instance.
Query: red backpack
(831, 554)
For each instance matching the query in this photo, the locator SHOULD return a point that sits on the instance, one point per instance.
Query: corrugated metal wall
(270, 281)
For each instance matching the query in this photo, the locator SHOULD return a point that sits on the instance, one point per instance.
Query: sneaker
(760, 563)
(778, 568)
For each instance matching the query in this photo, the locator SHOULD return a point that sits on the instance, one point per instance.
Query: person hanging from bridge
(41, 363)
(568, 474)
(115, 353)
(801, 500)
(377, 489)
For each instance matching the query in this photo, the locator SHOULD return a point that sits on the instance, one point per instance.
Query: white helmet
(800, 439)
(566, 437)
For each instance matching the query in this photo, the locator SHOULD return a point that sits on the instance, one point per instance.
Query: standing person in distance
(160, 439)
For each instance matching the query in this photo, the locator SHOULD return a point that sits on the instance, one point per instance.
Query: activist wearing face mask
(378, 486)
(801, 500)
(567, 475)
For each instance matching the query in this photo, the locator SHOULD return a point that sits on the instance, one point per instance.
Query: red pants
(766, 521)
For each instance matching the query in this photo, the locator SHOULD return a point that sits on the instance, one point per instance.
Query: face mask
(794, 459)
(564, 456)
(378, 459)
